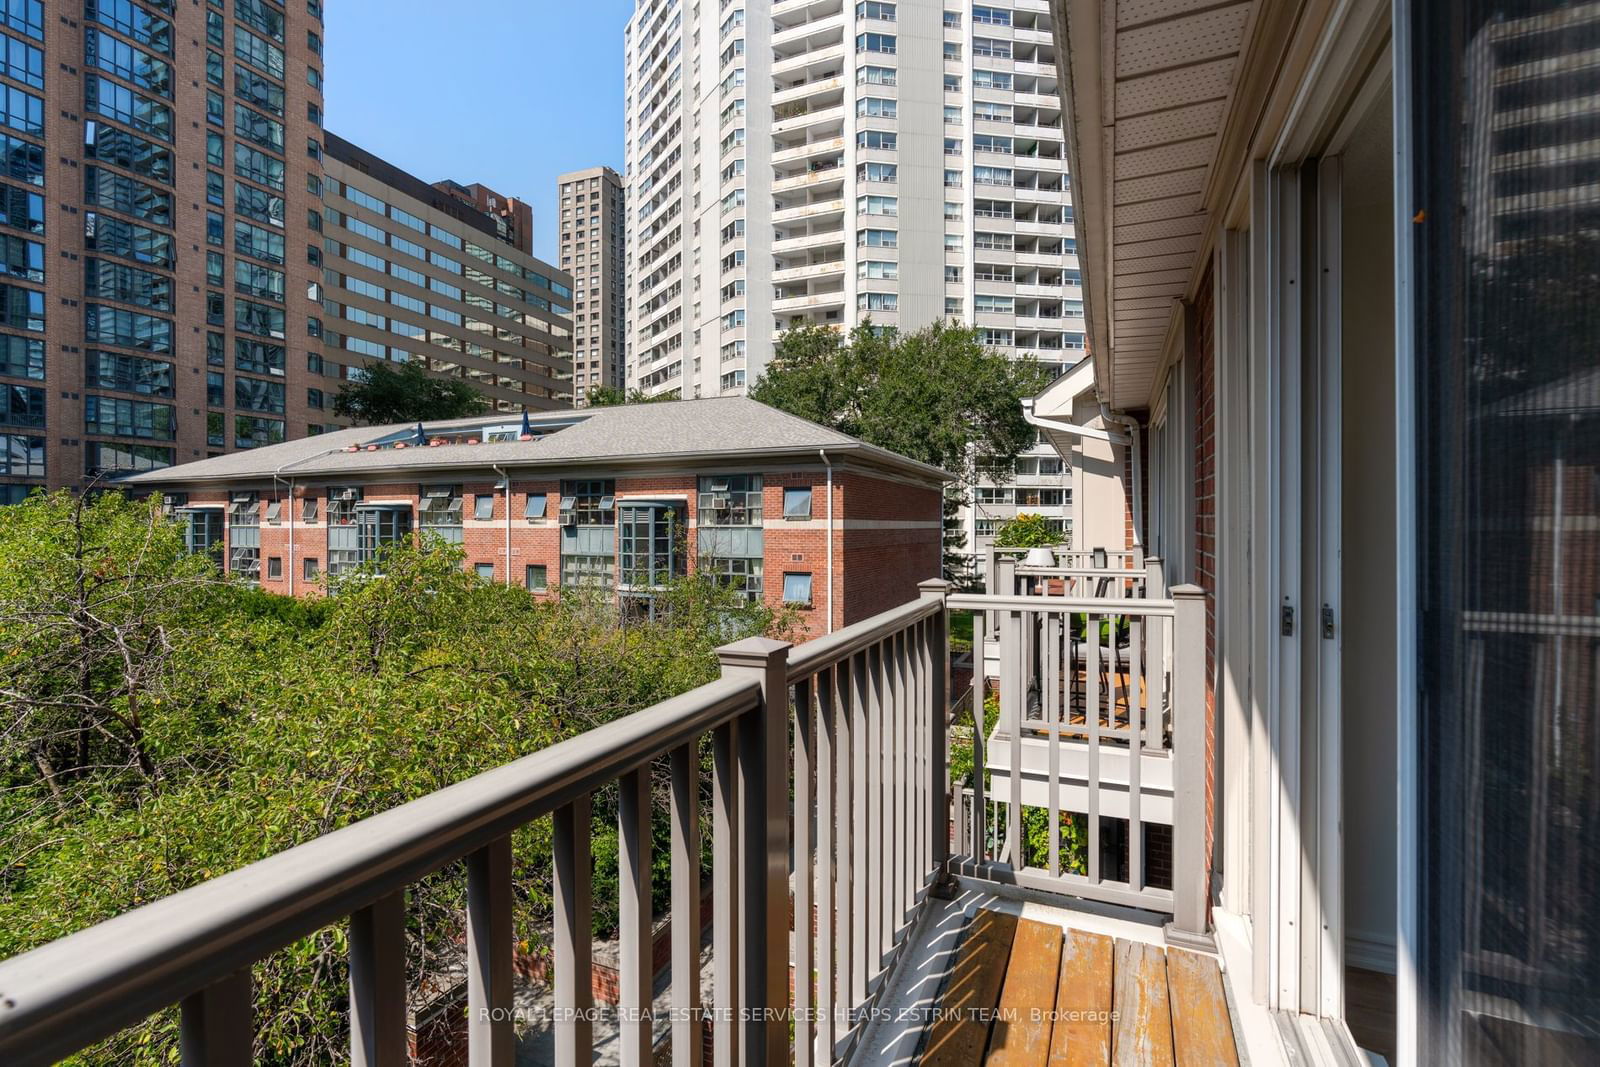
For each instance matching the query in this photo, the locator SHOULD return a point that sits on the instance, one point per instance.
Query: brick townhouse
(621, 498)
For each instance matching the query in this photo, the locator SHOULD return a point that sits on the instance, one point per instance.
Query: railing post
(762, 883)
(1155, 579)
(1190, 881)
(938, 740)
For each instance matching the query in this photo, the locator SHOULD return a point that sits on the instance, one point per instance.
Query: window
(991, 79)
(310, 570)
(22, 210)
(875, 107)
(21, 405)
(797, 588)
(111, 145)
(128, 374)
(535, 578)
(275, 568)
(952, 115)
(257, 165)
(875, 9)
(244, 535)
(879, 139)
(882, 43)
(250, 431)
(535, 506)
(109, 54)
(988, 46)
(21, 456)
(869, 75)
(730, 500)
(308, 510)
(483, 507)
(990, 16)
(797, 502)
(114, 326)
(440, 512)
(986, 302)
(877, 172)
(124, 16)
(21, 357)
(877, 205)
(877, 268)
(485, 571)
(877, 302)
(257, 52)
(877, 238)
(118, 102)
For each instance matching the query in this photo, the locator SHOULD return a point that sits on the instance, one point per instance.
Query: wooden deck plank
(1142, 1035)
(1021, 1034)
(961, 1030)
(1081, 1036)
(1201, 1029)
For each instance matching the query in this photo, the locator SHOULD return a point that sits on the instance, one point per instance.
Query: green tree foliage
(609, 396)
(161, 725)
(1026, 531)
(405, 392)
(936, 395)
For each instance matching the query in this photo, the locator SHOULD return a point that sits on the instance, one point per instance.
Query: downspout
(823, 452)
(292, 562)
(506, 481)
(1131, 424)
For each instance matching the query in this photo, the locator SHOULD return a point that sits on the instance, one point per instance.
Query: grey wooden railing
(848, 824)
(867, 767)
(1102, 719)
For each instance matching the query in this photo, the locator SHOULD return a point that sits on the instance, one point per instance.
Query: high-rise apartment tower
(593, 215)
(825, 161)
(161, 161)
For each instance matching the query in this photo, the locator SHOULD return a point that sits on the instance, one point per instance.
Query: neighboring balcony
(826, 773)
(823, 148)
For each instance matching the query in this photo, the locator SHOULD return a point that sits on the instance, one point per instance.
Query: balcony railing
(853, 819)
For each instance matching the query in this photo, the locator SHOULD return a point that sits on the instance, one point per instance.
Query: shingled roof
(630, 435)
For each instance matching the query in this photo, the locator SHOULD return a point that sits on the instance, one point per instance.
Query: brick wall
(1205, 522)
(886, 536)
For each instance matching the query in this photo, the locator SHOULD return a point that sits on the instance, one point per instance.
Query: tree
(1026, 531)
(405, 392)
(609, 396)
(936, 395)
(225, 725)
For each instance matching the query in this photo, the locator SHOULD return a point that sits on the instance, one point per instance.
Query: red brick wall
(886, 537)
(1205, 521)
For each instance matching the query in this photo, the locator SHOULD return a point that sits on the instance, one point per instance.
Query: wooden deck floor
(1024, 992)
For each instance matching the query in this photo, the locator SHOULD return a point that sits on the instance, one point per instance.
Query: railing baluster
(725, 894)
(861, 925)
(805, 754)
(873, 809)
(574, 933)
(490, 1036)
(763, 867)
(1091, 722)
(687, 1048)
(1053, 723)
(1013, 701)
(899, 703)
(1155, 681)
(1189, 868)
(827, 794)
(216, 1028)
(980, 715)
(1135, 758)
(378, 984)
(634, 916)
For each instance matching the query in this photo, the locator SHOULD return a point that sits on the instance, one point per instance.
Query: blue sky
(481, 90)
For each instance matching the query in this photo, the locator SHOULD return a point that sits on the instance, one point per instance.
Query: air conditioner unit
(569, 518)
